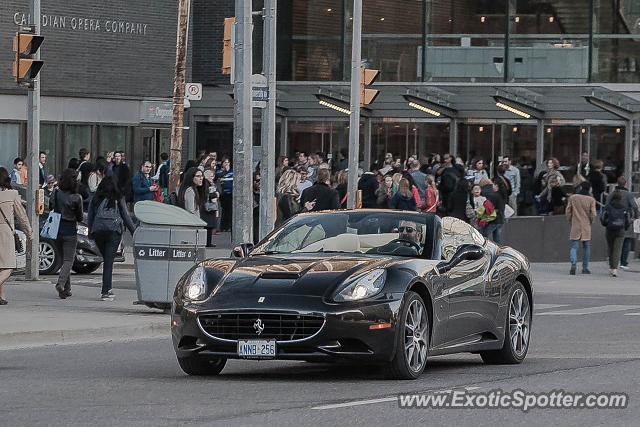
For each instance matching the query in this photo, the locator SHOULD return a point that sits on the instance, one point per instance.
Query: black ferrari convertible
(375, 286)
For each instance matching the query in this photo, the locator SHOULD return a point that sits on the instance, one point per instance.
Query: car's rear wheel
(50, 258)
(201, 366)
(412, 340)
(517, 330)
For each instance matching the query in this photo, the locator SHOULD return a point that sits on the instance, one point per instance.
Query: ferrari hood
(286, 275)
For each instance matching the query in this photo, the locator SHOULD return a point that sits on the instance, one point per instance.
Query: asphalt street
(585, 339)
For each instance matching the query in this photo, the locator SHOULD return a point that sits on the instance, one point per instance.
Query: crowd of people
(479, 193)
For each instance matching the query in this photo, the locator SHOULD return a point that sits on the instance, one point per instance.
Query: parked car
(376, 286)
(88, 258)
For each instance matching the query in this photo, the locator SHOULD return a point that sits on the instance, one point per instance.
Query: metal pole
(242, 217)
(628, 153)
(354, 119)
(177, 123)
(268, 164)
(284, 137)
(453, 138)
(367, 144)
(539, 146)
(33, 158)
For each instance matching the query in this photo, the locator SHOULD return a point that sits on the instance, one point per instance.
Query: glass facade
(574, 41)
(112, 138)
(10, 143)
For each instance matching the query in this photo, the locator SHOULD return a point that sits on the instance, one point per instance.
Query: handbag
(52, 224)
(16, 238)
(211, 206)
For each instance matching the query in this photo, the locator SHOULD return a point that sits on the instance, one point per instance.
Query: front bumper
(346, 332)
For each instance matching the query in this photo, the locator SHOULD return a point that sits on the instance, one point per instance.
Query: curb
(30, 339)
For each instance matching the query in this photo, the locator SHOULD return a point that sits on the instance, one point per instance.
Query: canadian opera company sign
(82, 23)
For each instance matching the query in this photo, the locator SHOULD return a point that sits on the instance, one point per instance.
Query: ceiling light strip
(425, 109)
(513, 110)
(334, 107)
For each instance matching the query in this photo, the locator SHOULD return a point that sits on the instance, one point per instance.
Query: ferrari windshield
(356, 232)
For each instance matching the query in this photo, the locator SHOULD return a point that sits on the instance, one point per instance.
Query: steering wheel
(403, 243)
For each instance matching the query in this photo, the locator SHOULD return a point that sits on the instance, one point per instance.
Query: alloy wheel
(519, 322)
(47, 256)
(416, 330)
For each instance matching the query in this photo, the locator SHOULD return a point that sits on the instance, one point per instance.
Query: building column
(539, 146)
(453, 138)
(367, 144)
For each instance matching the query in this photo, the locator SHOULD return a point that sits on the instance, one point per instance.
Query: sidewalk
(35, 316)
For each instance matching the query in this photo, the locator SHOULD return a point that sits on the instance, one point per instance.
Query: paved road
(585, 339)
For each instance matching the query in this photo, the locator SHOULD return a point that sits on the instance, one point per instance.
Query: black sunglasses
(407, 229)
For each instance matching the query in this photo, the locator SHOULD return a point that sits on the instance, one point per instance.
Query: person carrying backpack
(616, 219)
(107, 214)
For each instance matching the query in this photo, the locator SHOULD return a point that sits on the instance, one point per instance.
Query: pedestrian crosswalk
(608, 308)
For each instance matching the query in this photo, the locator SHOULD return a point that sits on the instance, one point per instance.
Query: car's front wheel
(412, 340)
(201, 366)
(517, 330)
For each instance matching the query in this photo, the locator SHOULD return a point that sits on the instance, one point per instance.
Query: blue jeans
(626, 248)
(586, 252)
(493, 231)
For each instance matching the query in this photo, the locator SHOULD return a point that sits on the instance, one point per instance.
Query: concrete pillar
(628, 152)
(367, 144)
(453, 137)
(539, 145)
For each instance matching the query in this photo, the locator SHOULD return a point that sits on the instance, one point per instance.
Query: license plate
(262, 349)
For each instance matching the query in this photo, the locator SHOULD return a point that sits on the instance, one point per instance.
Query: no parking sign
(193, 91)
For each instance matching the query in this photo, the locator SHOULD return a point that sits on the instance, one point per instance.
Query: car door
(464, 285)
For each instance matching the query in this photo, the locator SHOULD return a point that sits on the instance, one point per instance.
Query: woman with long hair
(431, 195)
(287, 197)
(614, 219)
(225, 180)
(68, 203)
(341, 187)
(107, 214)
(384, 193)
(478, 172)
(413, 186)
(211, 206)
(396, 181)
(548, 182)
(404, 199)
(10, 208)
(191, 196)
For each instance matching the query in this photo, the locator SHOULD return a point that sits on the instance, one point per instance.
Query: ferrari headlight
(82, 230)
(363, 286)
(195, 286)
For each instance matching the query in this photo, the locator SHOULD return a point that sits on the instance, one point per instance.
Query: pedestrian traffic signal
(227, 47)
(25, 45)
(366, 78)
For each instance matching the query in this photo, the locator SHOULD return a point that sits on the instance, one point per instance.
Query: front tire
(412, 339)
(517, 330)
(202, 366)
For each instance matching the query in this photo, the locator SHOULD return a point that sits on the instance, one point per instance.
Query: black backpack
(615, 218)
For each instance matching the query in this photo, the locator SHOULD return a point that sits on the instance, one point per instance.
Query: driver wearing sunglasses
(408, 230)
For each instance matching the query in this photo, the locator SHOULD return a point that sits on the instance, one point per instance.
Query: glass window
(48, 144)
(76, 137)
(10, 143)
(316, 39)
(607, 144)
(112, 138)
(563, 143)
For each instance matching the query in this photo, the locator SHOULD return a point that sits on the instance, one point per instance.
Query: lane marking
(537, 307)
(590, 310)
(632, 314)
(381, 400)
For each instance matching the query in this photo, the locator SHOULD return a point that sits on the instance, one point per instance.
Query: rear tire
(517, 331)
(202, 366)
(50, 257)
(412, 339)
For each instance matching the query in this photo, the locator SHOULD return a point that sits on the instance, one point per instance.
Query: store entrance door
(154, 143)
(216, 137)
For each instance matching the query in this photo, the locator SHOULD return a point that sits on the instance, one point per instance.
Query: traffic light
(366, 78)
(227, 47)
(25, 45)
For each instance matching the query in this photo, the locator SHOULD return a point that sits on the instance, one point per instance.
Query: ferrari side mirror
(242, 250)
(465, 252)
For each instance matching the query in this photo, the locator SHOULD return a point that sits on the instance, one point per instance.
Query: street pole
(33, 157)
(242, 217)
(268, 163)
(177, 123)
(354, 119)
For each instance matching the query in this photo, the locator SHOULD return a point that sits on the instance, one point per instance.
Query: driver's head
(408, 230)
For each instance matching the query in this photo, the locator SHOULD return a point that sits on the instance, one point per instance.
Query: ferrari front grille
(264, 325)
(261, 325)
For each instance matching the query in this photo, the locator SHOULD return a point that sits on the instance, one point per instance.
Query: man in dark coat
(368, 183)
(122, 174)
(326, 198)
